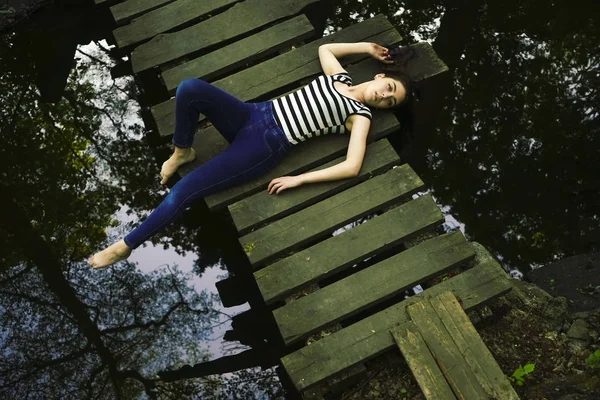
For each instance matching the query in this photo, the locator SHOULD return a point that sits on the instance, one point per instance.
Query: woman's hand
(277, 185)
(380, 53)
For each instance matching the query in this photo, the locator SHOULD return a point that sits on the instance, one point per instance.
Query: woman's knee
(190, 86)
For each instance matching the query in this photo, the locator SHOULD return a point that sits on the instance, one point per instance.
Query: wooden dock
(309, 280)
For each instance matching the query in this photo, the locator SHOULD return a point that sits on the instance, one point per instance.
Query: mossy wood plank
(127, 10)
(473, 349)
(371, 286)
(219, 62)
(242, 18)
(426, 64)
(342, 251)
(162, 20)
(421, 363)
(286, 69)
(264, 207)
(371, 336)
(457, 372)
(322, 218)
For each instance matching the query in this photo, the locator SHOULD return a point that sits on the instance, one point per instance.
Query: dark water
(507, 142)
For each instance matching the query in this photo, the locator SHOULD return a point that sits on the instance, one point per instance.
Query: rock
(579, 330)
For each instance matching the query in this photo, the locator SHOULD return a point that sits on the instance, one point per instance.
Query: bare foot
(115, 252)
(179, 157)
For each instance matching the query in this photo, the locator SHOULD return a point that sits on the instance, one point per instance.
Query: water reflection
(73, 152)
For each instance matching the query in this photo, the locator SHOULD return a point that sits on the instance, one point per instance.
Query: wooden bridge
(335, 301)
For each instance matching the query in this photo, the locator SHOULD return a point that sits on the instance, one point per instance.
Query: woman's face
(384, 92)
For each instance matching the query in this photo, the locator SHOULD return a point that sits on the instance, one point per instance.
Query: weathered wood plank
(242, 18)
(371, 286)
(263, 207)
(127, 10)
(426, 64)
(326, 258)
(459, 375)
(219, 62)
(162, 20)
(422, 364)
(473, 349)
(370, 337)
(285, 69)
(322, 218)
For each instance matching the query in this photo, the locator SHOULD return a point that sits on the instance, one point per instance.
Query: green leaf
(529, 368)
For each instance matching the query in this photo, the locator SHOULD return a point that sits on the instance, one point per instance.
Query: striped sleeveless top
(317, 109)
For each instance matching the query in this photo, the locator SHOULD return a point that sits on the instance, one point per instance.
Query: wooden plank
(457, 372)
(426, 64)
(422, 364)
(263, 207)
(242, 18)
(473, 349)
(370, 337)
(371, 286)
(127, 10)
(285, 69)
(162, 20)
(219, 62)
(322, 218)
(324, 259)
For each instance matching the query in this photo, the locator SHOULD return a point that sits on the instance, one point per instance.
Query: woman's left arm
(346, 169)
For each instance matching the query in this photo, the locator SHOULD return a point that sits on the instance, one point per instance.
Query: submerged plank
(162, 20)
(285, 69)
(422, 364)
(230, 57)
(371, 336)
(371, 286)
(263, 207)
(322, 218)
(242, 18)
(339, 252)
(127, 10)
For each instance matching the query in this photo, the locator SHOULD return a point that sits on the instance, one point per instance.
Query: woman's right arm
(331, 52)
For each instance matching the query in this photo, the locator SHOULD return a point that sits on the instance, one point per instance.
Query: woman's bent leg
(194, 96)
(248, 157)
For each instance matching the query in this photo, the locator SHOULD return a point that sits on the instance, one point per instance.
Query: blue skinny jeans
(256, 144)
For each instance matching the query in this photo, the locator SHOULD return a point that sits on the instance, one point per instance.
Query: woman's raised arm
(331, 52)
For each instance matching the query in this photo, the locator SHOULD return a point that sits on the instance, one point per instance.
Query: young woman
(260, 134)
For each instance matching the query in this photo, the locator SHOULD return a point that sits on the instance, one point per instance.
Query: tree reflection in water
(67, 166)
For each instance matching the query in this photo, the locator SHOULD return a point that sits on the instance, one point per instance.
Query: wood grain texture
(371, 286)
(162, 20)
(370, 337)
(457, 372)
(264, 43)
(342, 251)
(242, 18)
(422, 364)
(320, 219)
(128, 10)
(472, 348)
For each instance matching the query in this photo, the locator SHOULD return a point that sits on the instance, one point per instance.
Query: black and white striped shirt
(317, 109)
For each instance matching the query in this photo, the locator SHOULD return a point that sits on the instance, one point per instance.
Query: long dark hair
(402, 56)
